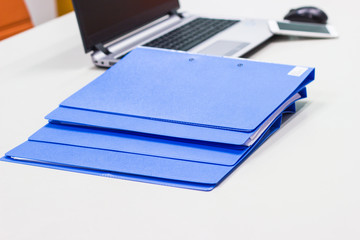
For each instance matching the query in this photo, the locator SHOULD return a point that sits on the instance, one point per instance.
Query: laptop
(111, 28)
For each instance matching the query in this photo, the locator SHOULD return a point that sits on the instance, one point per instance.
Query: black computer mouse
(307, 14)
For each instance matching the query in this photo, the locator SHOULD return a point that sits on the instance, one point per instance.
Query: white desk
(303, 183)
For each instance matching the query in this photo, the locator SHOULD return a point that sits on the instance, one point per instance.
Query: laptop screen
(101, 21)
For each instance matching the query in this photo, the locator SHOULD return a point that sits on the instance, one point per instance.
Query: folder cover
(226, 99)
(167, 117)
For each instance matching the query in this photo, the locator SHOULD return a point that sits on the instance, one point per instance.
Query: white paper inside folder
(271, 119)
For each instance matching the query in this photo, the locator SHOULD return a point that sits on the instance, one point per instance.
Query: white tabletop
(303, 183)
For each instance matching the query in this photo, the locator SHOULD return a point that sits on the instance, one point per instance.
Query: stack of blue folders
(167, 117)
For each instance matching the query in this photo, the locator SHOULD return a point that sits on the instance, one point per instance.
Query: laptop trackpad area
(224, 48)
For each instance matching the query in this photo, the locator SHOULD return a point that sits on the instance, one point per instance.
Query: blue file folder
(177, 172)
(167, 117)
(226, 99)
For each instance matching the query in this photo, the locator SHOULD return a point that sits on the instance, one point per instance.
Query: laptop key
(191, 34)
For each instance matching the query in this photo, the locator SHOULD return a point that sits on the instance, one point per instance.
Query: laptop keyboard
(191, 34)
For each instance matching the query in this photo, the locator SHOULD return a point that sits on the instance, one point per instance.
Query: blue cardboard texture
(142, 125)
(140, 145)
(165, 117)
(199, 90)
(109, 174)
(123, 165)
(212, 136)
(112, 161)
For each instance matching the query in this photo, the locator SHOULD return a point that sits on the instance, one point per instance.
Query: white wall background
(41, 10)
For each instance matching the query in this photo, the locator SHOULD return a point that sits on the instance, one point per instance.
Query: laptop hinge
(102, 48)
(174, 12)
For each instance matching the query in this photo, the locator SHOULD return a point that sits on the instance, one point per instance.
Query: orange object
(64, 7)
(14, 18)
